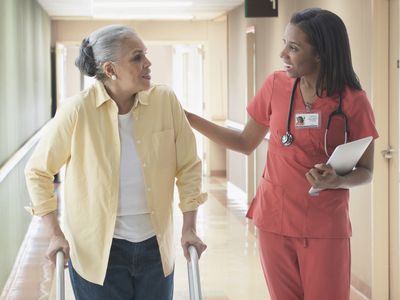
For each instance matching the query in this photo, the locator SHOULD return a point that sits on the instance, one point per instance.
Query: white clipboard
(345, 157)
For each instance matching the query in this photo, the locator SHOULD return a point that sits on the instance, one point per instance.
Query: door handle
(388, 153)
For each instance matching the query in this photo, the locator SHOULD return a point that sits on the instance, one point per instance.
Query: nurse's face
(299, 57)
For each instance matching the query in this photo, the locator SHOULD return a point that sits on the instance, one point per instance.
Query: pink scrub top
(282, 204)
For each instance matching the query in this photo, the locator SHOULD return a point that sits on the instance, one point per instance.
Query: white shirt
(133, 221)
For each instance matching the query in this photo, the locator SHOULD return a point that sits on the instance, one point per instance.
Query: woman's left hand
(323, 176)
(189, 237)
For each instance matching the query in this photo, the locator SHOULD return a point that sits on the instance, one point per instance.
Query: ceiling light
(142, 17)
(142, 4)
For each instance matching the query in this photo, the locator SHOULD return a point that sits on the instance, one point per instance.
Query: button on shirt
(84, 136)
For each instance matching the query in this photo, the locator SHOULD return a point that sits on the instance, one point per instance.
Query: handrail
(60, 284)
(194, 275)
(10, 164)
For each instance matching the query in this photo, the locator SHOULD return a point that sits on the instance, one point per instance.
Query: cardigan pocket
(164, 149)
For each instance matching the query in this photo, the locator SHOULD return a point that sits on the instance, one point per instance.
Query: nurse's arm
(362, 174)
(244, 141)
(325, 177)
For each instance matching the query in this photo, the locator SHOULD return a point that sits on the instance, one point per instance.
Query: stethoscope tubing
(287, 139)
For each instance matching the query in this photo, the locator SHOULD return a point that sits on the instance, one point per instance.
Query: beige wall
(237, 95)
(65, 30)
(72, 76)
(215, 89)
(161, 60)
(357, 16)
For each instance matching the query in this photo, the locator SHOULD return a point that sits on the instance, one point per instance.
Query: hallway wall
(25, 107)
(269, 32)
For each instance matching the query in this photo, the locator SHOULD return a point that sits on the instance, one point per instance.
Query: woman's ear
(109, 69)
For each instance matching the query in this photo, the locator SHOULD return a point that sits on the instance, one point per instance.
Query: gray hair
(101, 46)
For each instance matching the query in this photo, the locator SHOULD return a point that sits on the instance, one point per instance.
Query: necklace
(308, 103)
(308, 106)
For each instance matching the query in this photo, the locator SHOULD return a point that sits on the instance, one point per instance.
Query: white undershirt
(133, 217)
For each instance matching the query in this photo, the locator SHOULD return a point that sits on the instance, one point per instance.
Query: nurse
(305, 241)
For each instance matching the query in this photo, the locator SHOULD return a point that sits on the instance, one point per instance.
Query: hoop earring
(113, 77)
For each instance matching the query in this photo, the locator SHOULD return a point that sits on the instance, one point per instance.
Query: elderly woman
(123, 142)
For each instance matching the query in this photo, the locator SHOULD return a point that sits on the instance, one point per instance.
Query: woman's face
(299, 57)
(133, 67)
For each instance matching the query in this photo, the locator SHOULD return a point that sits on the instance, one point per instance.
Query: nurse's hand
(324, 177)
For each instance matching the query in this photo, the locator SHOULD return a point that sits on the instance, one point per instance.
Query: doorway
(187, 83)
(68, 78)
(251, 90)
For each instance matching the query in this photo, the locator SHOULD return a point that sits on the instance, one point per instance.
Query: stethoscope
(287, 139)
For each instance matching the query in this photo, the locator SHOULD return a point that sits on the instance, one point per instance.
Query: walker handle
(194, 274)
(60, 285)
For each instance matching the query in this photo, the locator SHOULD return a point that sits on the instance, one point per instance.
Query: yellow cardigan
(84, 136)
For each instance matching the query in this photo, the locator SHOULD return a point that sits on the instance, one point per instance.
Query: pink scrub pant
(305, 268)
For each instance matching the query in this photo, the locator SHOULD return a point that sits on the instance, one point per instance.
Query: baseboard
(356, 295)
(359, 289)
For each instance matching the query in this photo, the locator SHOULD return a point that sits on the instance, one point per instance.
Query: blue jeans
(134, 272)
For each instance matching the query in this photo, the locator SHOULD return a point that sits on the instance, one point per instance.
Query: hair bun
(86, 61)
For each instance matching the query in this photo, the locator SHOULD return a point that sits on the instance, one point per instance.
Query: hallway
(215, 63)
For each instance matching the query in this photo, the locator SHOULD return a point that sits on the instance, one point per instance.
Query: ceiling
(138, 9)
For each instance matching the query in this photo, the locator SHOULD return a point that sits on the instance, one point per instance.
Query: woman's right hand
(58, 242)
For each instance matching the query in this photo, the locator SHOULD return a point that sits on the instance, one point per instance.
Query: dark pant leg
(134, 272)
(118, 281)
(149, 280)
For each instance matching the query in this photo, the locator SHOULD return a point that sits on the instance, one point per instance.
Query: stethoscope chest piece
(287, 139)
